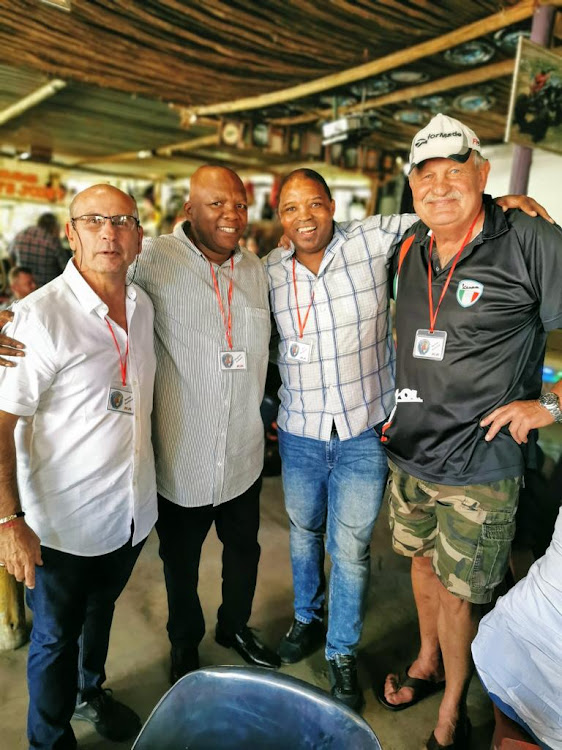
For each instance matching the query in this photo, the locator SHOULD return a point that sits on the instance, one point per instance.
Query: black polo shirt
(504, 294)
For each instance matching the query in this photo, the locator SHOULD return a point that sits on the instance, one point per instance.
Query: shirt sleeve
(542, 246)
(21, 387)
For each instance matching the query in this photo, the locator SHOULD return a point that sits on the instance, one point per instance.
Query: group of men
(468, 358)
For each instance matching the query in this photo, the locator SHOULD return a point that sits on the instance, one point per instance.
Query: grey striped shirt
(207, 430)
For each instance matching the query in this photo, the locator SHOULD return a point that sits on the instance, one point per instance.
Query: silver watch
(551, 402)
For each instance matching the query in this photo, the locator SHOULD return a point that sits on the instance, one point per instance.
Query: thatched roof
(143, 76)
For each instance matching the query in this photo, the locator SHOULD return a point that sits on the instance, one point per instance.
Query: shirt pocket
(258, 330)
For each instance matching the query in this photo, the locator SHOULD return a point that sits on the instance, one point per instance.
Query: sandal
(422, 689)
(461, 738)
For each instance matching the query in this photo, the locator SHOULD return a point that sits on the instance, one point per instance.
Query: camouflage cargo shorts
(466, 530)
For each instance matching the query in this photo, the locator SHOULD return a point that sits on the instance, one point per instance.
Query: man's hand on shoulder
(20, 551)
(521, 416)
(9, 347)
(525, 204)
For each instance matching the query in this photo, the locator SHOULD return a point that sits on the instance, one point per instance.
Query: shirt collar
(339, 236)
(181, 233)
(84, 293)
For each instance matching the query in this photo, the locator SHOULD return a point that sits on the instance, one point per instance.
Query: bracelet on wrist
(12, 517)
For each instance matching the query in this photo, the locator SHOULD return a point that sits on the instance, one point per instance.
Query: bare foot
(396, 695)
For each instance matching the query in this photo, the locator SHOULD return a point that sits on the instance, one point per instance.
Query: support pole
(541, 31)
(13, 632)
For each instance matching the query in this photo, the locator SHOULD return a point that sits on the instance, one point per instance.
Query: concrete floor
(138, 664)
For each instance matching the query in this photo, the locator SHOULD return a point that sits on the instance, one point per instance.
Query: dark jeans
(182, 532)
(72, 604)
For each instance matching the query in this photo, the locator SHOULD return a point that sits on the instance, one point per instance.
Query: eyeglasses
(94, 222)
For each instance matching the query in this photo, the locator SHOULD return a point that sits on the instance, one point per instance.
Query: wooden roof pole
(519, 12)
(541, 31)
(457, 80)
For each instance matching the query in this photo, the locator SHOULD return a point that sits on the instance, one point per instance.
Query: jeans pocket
(492, 555)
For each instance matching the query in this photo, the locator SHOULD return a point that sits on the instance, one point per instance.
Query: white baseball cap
(443, 137)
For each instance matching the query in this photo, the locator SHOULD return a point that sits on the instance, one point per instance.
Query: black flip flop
(422, 689)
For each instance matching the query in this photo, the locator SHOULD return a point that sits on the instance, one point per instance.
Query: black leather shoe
(250, 648)
(183, 661)
(301, 641)
(111, 719)
(344, 682)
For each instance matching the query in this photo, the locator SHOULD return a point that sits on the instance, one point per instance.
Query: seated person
(518, 649)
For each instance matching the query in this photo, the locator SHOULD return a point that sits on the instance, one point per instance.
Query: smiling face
(217, 211)
(306, 213)
(107, 250)
(448, 194)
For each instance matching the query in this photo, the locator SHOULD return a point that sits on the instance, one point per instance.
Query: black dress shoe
(184, 660)
(344, 682)
(250, 648)
(301, 641)
(111, 719)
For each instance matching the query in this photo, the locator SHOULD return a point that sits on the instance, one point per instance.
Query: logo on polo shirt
(407, 395)
(469, 292)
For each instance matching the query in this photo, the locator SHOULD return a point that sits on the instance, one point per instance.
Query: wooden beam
(31, 100)
(162, 151)
(520, 12)
(458, 80)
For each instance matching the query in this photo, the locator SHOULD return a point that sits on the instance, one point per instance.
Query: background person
(39, 249)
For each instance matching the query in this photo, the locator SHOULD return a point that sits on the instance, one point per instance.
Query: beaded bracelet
(12, 517)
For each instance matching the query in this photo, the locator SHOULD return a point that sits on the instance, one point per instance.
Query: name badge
(120, 399)
(299, 351)
(428, 345)
(232, 360)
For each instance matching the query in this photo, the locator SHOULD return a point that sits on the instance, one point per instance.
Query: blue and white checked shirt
(349, 380)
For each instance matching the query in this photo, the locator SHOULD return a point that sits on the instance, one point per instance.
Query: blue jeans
(333, 488)
(72, 604)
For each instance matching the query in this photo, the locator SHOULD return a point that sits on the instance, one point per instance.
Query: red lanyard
(122, 360)
(302, 324)
(432, 314)
(226, 320)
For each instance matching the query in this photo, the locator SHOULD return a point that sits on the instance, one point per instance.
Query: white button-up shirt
(349, 380)
(85, 473)
(208, 432)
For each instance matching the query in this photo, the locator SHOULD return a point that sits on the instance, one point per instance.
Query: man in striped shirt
(212, 326)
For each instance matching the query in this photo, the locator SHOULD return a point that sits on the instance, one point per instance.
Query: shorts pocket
(492, 555)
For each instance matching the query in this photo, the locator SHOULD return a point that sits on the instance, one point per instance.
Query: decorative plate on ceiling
(373, 87)
(475, 52)
(507, 39)
(435, 103)
(474, 101)
(411, 116)
(408, 76)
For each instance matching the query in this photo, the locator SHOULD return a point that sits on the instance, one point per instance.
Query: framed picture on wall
(535, 112)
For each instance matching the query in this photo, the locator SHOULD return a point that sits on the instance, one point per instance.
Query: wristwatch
(551, 402)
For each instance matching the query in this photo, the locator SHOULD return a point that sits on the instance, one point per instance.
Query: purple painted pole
(541, 30)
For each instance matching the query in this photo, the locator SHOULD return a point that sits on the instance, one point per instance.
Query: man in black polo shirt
(476, 290)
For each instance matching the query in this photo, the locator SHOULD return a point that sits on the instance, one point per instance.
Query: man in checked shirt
(329, 298)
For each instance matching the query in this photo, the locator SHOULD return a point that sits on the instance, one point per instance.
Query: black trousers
(182, 532)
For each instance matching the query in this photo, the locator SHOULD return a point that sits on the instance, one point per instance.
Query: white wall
(545, 179)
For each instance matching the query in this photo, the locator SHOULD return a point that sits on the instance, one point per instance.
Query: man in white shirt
(77, 480)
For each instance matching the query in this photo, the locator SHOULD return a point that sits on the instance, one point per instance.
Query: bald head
(208, 175)
(94, 194)
(217, 211)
